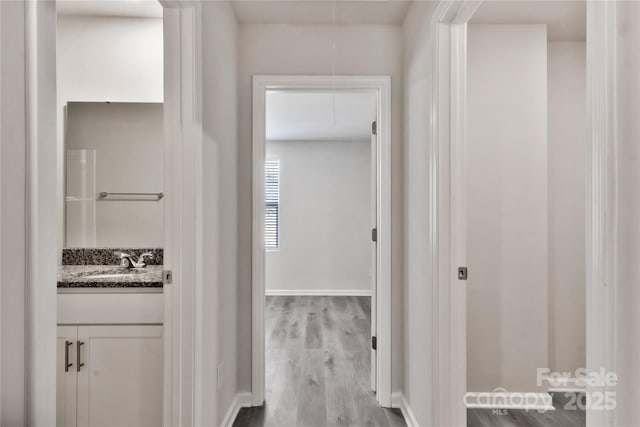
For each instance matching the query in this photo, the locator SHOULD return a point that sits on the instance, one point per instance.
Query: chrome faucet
(127, 260)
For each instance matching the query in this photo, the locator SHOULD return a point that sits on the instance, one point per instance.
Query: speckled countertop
(109, 276)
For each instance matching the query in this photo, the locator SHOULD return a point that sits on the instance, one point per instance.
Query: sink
(111, 273)
(111, 276)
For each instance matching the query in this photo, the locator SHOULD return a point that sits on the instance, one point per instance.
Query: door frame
(184, 305)
(382, 85)
(184, 385)
(448, 131)
(41, 200)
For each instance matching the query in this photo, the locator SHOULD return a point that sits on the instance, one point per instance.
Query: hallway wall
(220, 207)
(307, 49)
(420, 381)
(325, 211)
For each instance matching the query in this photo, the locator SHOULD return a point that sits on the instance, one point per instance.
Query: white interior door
(505, 199)
(374, 251)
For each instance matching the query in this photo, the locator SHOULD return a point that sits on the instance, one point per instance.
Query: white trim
(381, 84)
(510, 400)
(399, 401)
(258, 250)
(2, 286)
(458, 232)
(447, 226)
(567, 390)
(319, 292)
(601, 220)
(439, 224)
(40, 46)
(572, 384)
(240, 400)
(171, 36)
(183, 357)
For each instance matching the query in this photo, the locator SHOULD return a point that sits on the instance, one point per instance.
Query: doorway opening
(321, 254)
(320, 210)
(182, 136)
(111, 205)
(525, 213)
(506, 286)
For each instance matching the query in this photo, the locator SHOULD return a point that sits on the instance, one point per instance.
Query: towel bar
(138, 197)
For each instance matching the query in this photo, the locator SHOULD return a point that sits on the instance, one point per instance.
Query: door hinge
(374, 128)
(374, 343)
(462, 273)
(167, 277)
(374, 234)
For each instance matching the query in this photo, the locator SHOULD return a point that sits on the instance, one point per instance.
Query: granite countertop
(109, 276)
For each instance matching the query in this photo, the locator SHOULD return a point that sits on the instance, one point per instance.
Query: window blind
(272, 204)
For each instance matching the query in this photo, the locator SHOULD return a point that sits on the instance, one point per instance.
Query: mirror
(114, 175)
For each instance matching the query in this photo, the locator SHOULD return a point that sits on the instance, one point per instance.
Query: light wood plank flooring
(318, 366)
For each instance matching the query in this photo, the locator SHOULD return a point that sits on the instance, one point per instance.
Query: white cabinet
(110, 375)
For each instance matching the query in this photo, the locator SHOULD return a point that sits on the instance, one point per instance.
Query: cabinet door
(66, 376)
(120, 384)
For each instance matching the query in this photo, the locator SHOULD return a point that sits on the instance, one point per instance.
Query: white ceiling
(566, 20)
(260, 11)
(119, 8)
(320, 11)
(309, 115)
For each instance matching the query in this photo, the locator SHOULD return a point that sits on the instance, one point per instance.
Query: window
(272, 204)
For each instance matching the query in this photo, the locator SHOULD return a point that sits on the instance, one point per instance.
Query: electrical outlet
(220, 376)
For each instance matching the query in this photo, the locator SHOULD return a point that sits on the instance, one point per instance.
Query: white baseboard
(399, 401)
(319, 292)
(566, 385)
(567, 390)
(241, 400)
(509, 400)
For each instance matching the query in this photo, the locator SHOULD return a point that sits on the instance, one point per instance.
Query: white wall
(110, 59)
(419, 381)
(105, 59)
(128, 141)
(628, 239)
(220, 207)
(567, 184)
(300, 49)
(506, 206)
(325, 211)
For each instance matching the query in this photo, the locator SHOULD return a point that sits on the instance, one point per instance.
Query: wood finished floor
(561, 417)
(318, 366)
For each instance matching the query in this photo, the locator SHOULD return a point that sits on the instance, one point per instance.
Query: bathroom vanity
(110, 344)
(110, 340)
